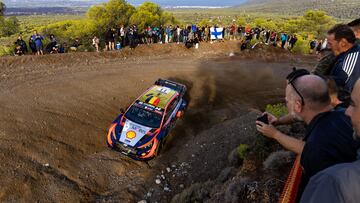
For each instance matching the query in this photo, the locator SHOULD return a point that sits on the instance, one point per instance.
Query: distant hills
(344, 9)
(165, 3)
(50, 3)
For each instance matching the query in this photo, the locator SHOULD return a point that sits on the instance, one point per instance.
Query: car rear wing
(172, 85)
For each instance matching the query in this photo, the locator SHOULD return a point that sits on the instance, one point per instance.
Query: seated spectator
(75, 45)
(346, 69)
(18, 51)
(52, 47)
(189, 43)
(63, 48)
(328, 139)
(196, 41)
(22, 45)
(339, 183)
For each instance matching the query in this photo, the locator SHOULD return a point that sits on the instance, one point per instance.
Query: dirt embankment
(55, 111)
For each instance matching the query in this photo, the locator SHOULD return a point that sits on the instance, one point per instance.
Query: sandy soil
(55, 111)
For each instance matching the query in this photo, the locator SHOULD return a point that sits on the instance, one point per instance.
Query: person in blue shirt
(37, 39)
(284, 39)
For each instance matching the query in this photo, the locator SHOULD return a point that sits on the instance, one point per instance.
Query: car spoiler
(172, 85)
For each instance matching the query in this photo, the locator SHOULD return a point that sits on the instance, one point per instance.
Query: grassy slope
(28, 23)
(225, 14)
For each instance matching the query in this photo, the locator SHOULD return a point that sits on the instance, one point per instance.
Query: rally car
(140, 131)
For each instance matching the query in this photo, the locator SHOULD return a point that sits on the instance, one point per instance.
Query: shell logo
(130, 135)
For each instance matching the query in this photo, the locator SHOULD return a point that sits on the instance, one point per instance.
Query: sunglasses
(291, 78)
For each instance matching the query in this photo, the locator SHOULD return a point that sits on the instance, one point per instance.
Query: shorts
(39, 47)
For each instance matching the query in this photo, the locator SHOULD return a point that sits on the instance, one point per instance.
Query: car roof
(158, 96)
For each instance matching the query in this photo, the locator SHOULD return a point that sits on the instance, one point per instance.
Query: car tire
(159, 147)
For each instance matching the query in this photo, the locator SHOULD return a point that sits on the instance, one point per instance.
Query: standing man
(284, 39)
(328, 139)
(37, 39)
(346, 69)
(327, 62)
(122, 35)
(293, 41)
(339, 183)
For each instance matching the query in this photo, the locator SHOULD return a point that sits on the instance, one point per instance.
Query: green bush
(243, 150)
(277, 109)
(9, 26)
(6, 51)
(301, 46)
(151, 14)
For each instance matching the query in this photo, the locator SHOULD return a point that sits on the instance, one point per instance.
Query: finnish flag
(216, 33)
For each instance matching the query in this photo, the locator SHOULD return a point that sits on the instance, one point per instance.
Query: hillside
(343, 9)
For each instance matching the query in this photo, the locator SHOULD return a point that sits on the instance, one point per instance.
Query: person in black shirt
(339, 183)
(110, 39)
(32, 45)
(21, 46)
(328, 140)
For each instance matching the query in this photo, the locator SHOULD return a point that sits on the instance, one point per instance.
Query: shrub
(301, 46)
(5, 50)
(277, 109)
(243, 150)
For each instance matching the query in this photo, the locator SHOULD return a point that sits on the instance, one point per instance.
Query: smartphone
(263, 119)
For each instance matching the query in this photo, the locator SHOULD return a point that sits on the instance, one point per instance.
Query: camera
(263, 118)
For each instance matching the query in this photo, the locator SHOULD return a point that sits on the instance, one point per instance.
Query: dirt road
(55, 111)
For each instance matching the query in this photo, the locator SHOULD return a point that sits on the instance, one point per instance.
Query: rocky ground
(55, 111)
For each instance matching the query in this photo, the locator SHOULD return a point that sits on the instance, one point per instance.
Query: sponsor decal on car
(130, 134)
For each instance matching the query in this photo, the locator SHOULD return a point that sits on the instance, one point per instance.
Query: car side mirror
(122, 110)
(183, 105)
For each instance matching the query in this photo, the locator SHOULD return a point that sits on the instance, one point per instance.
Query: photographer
(328, 139)
(339, 183)
(37, 39)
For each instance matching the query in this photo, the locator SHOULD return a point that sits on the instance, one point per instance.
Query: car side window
(171, 108)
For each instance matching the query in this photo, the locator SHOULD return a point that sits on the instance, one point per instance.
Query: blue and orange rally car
(140, 132)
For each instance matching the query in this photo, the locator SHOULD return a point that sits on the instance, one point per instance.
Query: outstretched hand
(267, 130)
(272, 119)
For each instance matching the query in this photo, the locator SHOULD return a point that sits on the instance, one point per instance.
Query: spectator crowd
(327, 100)
(132, 36)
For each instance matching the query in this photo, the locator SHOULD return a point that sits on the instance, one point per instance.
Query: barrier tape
(292, 184)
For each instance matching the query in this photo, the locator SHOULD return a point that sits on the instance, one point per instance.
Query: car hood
(132, 133)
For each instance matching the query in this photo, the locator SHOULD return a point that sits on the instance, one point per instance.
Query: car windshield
(144, 117)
